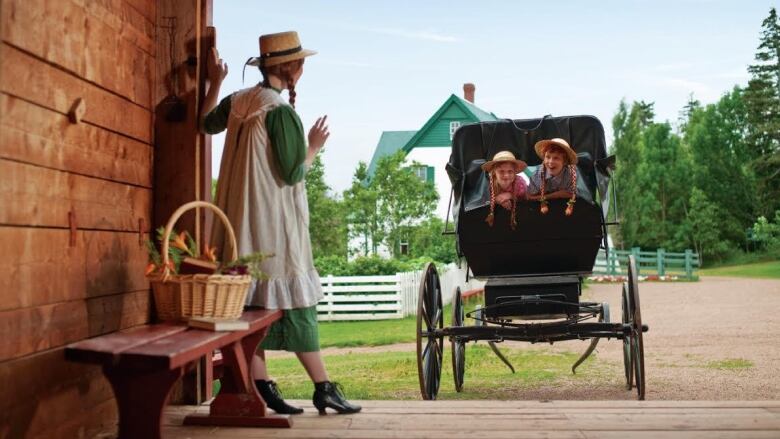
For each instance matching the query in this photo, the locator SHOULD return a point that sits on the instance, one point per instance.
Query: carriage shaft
(536, 332)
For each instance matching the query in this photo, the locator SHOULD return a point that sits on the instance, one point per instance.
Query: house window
(421, 172)
(454, 125)
(404, 248)
(424, 173)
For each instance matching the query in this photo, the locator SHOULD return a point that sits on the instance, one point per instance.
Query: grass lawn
(368, 333)
(373, 332)
(769, 270)
(393, 375)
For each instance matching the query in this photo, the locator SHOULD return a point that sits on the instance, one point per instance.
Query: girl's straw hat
(542, 145)
(279, 48)
(504, 157)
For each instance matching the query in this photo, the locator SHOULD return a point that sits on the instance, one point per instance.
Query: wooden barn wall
(77, 199)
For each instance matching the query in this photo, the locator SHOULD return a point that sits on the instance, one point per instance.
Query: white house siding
(437, 157)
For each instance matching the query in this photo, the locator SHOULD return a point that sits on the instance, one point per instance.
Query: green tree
(705, 221)
(426, 240)
(664, 180)
(327, 222)
(403, 199)
(360, 202)
(628, 126)
(717, 136)
(762, 98)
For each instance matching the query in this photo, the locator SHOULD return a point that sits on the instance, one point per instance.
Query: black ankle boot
(273, 398)
(327, 394)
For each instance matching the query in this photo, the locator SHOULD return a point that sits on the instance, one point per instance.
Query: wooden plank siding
(55, 89)
(59, 286)
(39, 136)
(107, 43)
(54, 385)
(100, 264)
(30, 330)
(42, 197)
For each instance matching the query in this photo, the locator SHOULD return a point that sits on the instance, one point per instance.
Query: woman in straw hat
(557, 177)
(261, 189)
(506, 187)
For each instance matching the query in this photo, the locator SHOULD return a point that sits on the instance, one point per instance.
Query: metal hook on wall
(174, 108)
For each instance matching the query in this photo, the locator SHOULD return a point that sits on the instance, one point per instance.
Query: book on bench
(190, 265)
(214, 324)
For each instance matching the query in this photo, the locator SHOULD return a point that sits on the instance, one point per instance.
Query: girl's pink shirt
(519, 187)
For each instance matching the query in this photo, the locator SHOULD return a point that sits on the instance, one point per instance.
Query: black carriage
(534, 272)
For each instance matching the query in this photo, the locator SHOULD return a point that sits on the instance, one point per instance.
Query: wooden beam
(94, 40)
(35, 196)
(36, 135)
(104, 109)
(180, 171)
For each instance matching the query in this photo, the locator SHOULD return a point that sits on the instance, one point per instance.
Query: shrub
(367, 265)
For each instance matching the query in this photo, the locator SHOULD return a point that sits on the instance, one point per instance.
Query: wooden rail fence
(658, 262)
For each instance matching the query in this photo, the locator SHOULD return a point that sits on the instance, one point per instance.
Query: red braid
(573, 199)
(490, 216)
(543, 201)
(513, 220)
(291, 93)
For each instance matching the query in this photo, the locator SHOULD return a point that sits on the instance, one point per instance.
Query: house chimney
(468, 92)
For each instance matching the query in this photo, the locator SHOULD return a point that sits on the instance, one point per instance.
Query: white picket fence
(384, 297)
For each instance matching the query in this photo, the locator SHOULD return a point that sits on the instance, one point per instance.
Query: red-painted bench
(143, 363)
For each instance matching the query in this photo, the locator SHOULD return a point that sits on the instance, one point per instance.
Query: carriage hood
(475, 144)
(540, 244)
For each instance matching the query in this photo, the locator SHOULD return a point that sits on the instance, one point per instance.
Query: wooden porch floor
(513, 419)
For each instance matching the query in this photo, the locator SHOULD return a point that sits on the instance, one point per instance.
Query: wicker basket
(181, 296)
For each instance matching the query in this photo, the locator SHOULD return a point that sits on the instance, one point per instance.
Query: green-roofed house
(431, 144)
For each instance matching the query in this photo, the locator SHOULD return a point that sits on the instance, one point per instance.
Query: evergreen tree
(763, 103)
(327, 223)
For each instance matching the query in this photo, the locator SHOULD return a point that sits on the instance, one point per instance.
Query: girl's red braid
(543, 201)
(573, 199)
(491, 216)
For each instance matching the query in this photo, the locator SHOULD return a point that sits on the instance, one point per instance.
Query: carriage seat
(519, 297)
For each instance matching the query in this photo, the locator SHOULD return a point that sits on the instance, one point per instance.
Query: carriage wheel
(458, 346)
(638, 349)
(429, 346)
(627, 366)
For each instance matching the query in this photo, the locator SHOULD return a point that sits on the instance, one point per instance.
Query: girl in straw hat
(261, 189)
(506, 187)
(557, 177)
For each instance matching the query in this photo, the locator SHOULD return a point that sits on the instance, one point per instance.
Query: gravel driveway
(716, 339)
(697, 329)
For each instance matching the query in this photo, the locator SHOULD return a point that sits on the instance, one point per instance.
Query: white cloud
(673, 67)
(424, 35)
(699, 89)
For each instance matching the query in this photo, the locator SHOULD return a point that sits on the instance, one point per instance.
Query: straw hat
(542, 145)
(504, 157)
(279, 48)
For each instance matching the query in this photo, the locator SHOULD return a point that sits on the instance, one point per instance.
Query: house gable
(436, 131)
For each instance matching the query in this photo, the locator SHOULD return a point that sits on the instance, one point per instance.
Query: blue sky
(390, 65)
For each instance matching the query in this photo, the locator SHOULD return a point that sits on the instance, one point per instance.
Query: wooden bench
(143, 363)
